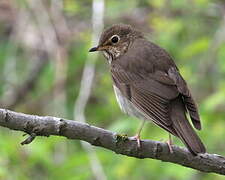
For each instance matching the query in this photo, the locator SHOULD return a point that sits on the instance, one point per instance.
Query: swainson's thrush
(148, 85)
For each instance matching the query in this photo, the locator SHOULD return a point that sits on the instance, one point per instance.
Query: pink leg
(170, 143)
(138, 139)
(137, 136)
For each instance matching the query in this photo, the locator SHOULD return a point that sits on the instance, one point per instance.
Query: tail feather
(184, 129)
(193, 111)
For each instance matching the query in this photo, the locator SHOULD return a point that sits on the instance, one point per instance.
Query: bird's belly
(127, 106)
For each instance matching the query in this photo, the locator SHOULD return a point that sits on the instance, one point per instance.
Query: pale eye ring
(115, 39)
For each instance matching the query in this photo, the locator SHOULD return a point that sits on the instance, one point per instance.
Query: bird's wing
(149, 95)
(152, 73)
(187, 97)
(160, 100)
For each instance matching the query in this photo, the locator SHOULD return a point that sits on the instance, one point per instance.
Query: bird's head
(114, 41)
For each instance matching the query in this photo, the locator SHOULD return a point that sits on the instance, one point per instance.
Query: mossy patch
(121, 138)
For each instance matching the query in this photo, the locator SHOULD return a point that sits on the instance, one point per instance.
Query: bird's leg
(137, 137)
(170, 143)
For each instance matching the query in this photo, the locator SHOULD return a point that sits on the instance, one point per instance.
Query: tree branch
(46, 126)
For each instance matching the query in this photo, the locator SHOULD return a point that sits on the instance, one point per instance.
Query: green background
(192, 31)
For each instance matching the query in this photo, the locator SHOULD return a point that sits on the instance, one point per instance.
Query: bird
(148, 85)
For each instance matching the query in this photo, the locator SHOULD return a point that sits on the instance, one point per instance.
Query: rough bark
(46, 126)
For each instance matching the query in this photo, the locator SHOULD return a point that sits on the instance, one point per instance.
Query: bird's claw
(138, 139)
(170, 143)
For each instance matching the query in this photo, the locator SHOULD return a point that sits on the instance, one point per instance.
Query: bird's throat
(108, 56)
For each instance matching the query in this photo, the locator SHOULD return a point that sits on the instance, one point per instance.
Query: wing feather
(149, 96)
(187, 97)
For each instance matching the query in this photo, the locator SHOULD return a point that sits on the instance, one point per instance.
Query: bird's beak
(94, 49)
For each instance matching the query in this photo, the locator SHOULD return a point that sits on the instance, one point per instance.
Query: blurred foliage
(192, 31)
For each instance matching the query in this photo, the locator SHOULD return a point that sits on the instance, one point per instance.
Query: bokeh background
(45, 69)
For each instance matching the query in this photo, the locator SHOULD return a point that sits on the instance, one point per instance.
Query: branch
(46, 126)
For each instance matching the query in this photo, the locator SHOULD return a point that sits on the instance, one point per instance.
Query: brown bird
(148, 85)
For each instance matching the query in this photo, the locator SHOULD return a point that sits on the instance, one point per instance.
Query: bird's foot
(138, 139)
(170, 143)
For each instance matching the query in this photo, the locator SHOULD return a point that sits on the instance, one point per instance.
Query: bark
(120, 144)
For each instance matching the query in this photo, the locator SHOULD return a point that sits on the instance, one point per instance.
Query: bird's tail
(184, 129)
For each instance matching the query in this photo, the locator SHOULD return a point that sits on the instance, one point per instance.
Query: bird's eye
(115, 39)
